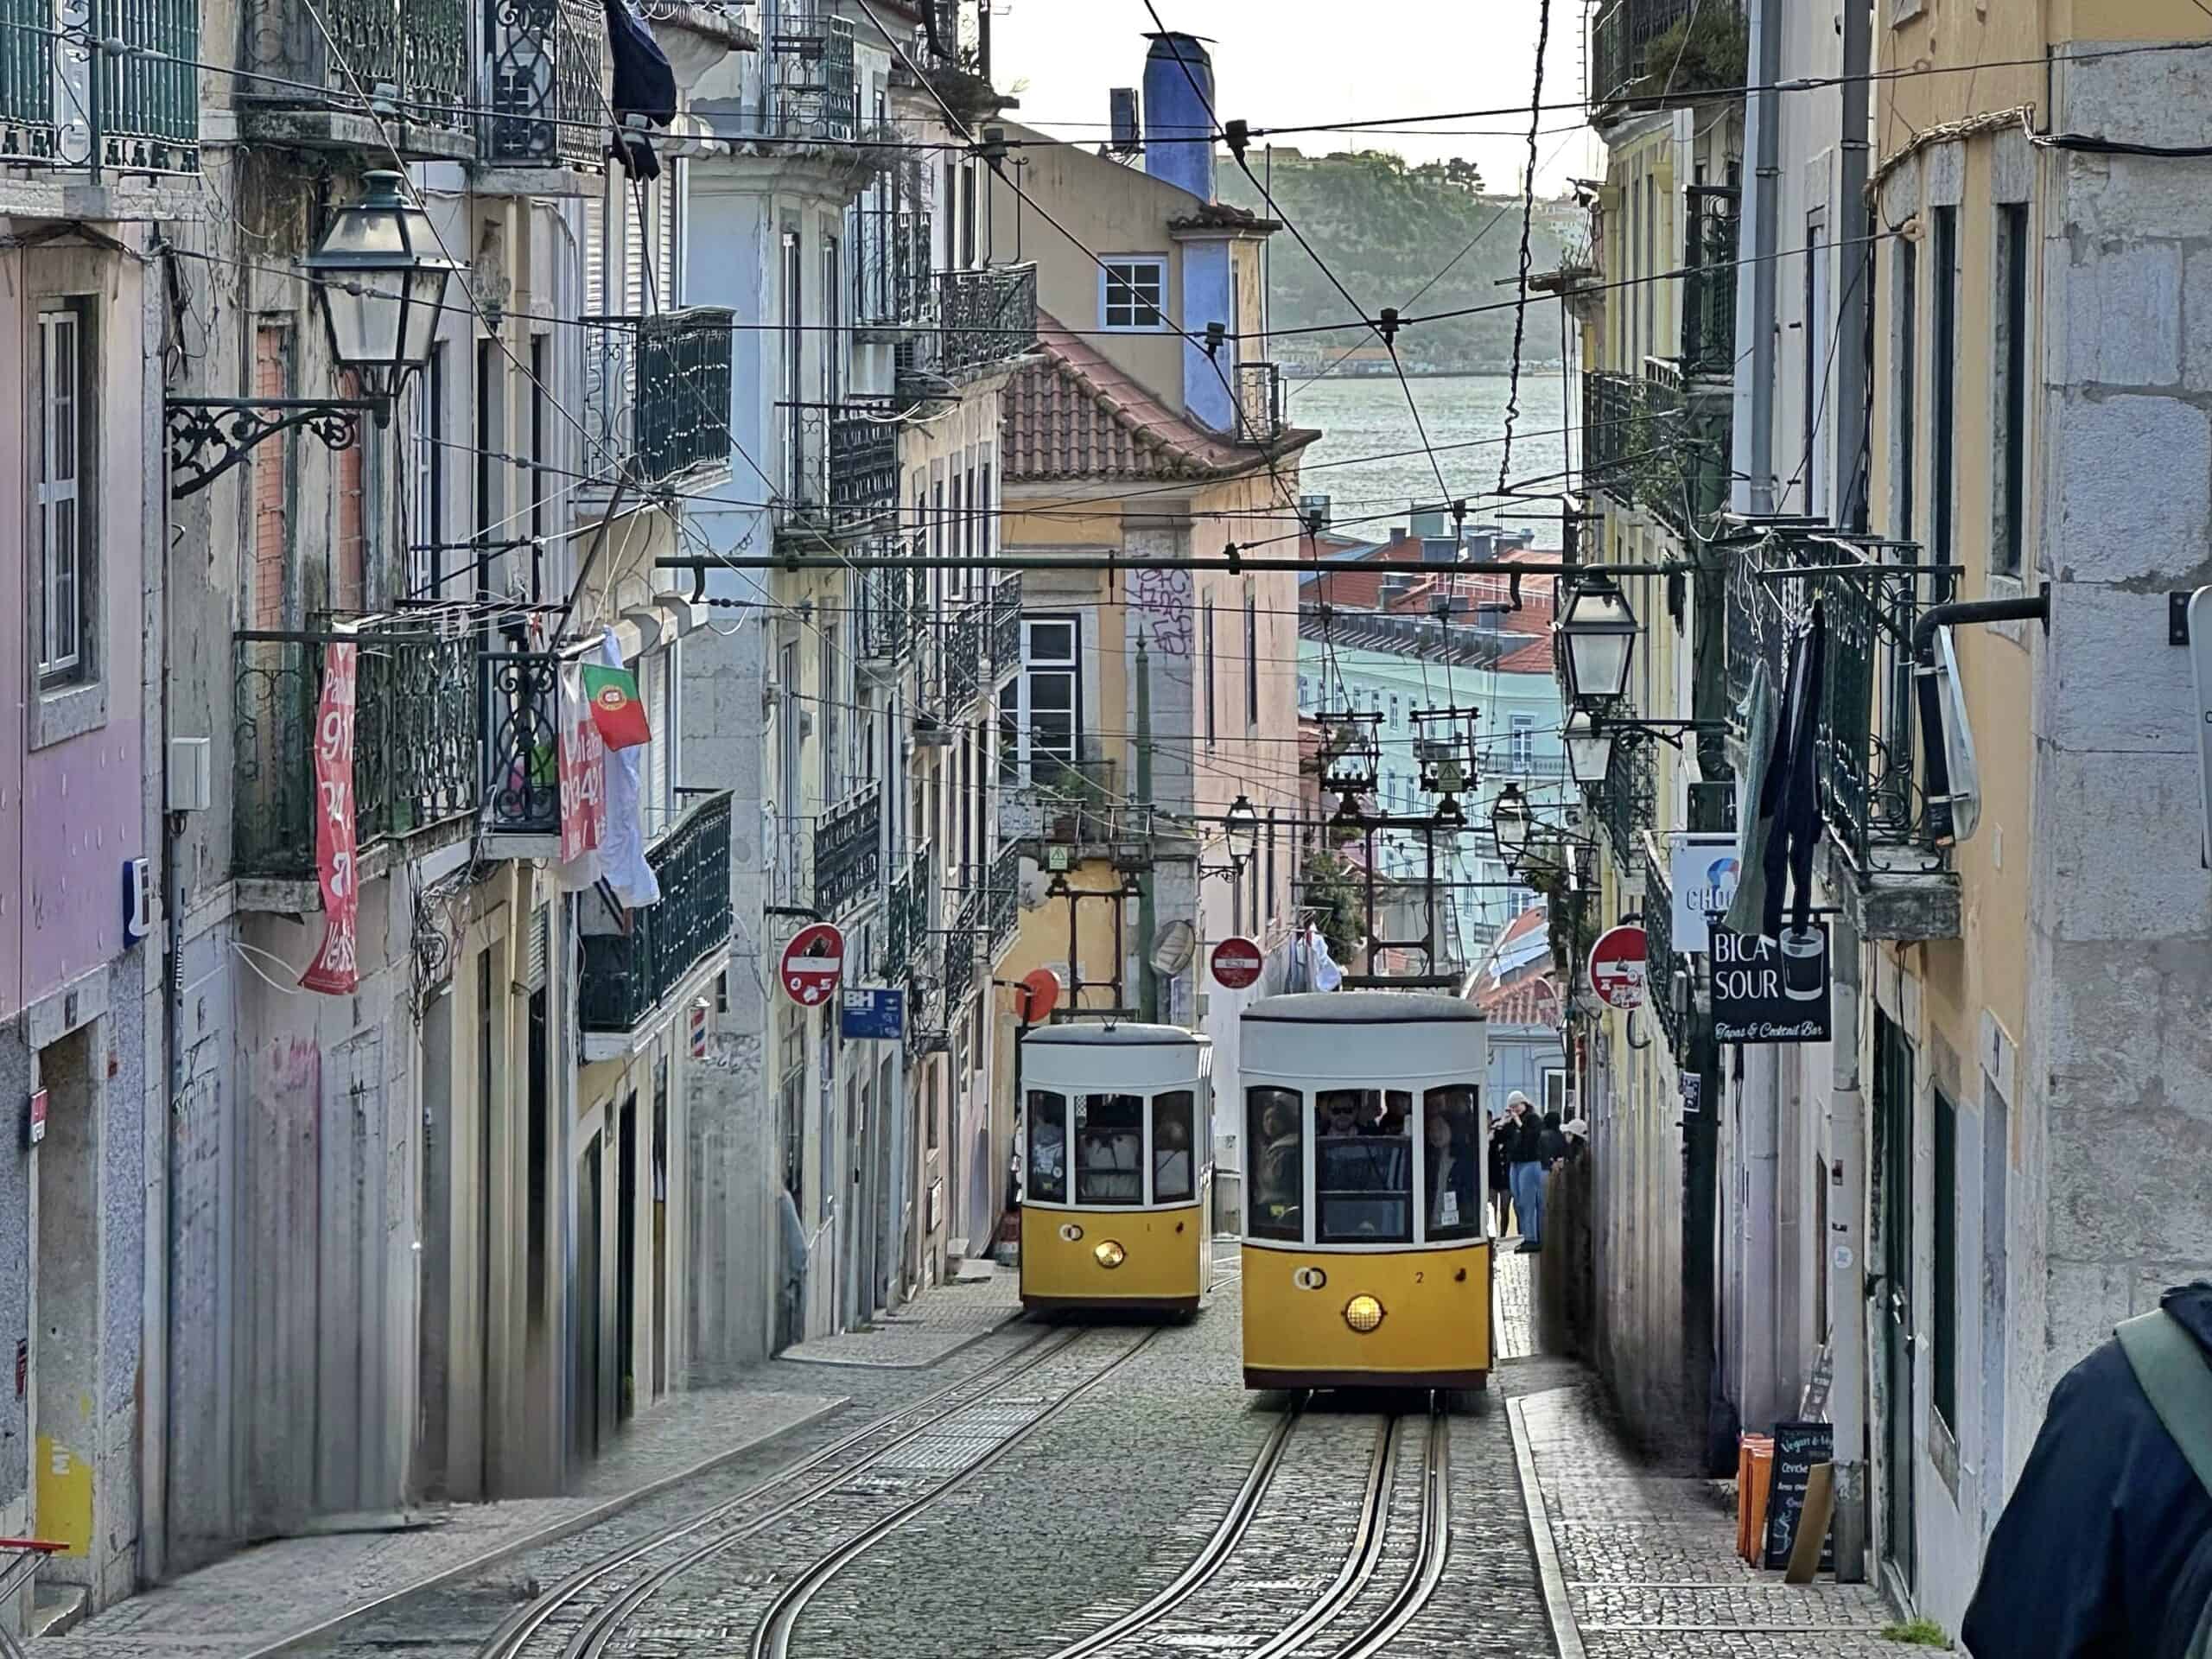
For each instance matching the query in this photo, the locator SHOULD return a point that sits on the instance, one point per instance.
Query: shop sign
(336, 970)
(1703, 871)
(1771, 990)
(874, 1012)
(582, 770)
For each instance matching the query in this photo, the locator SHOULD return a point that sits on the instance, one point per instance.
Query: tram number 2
(1416, 1278)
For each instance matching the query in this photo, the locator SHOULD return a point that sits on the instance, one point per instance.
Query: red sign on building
(1237, 962)
(336, 970)
(813, 962)
(1617, 968)
(583, 770)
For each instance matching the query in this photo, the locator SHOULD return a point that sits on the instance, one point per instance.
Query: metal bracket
(208, 437)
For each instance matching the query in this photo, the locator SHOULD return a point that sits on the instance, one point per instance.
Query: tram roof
(1363, 1008)
(1128, 1034)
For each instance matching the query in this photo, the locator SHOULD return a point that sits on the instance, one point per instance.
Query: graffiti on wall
(1162, 599)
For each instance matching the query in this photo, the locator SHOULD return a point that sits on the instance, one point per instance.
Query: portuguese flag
(612, 693)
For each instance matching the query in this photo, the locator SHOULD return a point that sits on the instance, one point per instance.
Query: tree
(1334, 887)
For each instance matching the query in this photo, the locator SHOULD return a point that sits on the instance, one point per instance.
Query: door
(660, 1230)
(588, 1339)
(433, 1259)
(1894, 1130)
(626, 1264)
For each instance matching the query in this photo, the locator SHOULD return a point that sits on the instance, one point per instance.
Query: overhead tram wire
(1528, 225)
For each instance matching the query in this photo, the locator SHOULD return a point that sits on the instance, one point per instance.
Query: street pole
(1148, 1001)
(1844, 1249)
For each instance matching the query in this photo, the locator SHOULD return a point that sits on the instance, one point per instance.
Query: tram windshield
(1173, 1179)
(1108, 1149)
(1362, 1166)
(1275, 1132)
(1451, 1160)
(1048, 1147)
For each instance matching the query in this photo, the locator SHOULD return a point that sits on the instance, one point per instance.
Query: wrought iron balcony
(810, 92)
(906, 914)
(984, 317)
(891, 289)
(415, 740)
(863, 460)
(1684, 446)
(1259, 403)
(1072, 804)
(334, 66)
(848, 854)
(657, 392)
(1868, 795)
(627, 976)
(890, 600)
(1709, 290)
(1668, 974)
(545, 72)
(1609, 402)
(961, 665)
(1003, 912)
(522, 724)
(1626, 804)
(1673, 49)
(1006, 626)
(957, 974)
(148, 106)
(790, 861)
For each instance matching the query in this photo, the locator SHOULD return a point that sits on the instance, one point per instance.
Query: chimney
(1177, 129)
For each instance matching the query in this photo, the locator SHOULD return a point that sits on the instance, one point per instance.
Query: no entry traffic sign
(1617, 967)
(812, 963)
(1237, 962)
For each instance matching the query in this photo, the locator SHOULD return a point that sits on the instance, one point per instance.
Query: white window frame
(65, 577)
(1521, 743)
(1116, 273)
(1032, 665)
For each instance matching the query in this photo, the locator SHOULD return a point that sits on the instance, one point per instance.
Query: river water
(1360, 461)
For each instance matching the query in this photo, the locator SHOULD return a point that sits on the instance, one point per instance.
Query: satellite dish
(1172, 952)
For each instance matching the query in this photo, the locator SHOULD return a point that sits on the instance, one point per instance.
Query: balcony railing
(1865, 731)
(1666, 973)
(147, 101)
(959, 657)
(1709, 290)
(1003, 908)
(1530, 765)
(1259, 403)
(1625, 805)
(628, 976)
(522, 724)
(811, 93)
(863, 459)
(957, 971)
(983, 317)
(906, 914)
(1670, 48)
(545, 72)
(1006, 626)
(848, 853)
(1608, 409)
(891, 281)
(408, 57)
(657, 392)
(1684, 446)
(415, 740)
(1072, 804)
(890, 600)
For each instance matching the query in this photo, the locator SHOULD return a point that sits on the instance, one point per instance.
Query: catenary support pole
(1146, 977)
(1843, 1252)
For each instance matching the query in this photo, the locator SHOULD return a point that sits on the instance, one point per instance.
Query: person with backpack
(2104, 1550)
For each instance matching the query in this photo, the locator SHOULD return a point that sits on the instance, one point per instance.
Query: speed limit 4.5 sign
(1617, 968)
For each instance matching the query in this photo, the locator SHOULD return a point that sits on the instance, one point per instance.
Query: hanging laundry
(1793, 782)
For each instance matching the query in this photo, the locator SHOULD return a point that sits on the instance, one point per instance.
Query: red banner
(583, 770)
(335, 970)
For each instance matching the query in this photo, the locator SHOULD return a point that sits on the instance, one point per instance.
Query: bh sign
(1616, 967)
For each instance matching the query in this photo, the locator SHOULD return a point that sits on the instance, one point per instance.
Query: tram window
(1048, 1147)
(1172, 1178)
(1452, 1157)
(1108, 1149)
(1364, 1168)
(1275, 1162)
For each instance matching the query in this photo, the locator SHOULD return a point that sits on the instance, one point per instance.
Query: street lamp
(380, 281)
(1589, 748)
(1599, 630)
(1509, 823)
(1240, 825)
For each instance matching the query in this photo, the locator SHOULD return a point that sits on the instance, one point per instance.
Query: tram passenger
(1282, 1162)
(1451, 1173)
(1171, 1157)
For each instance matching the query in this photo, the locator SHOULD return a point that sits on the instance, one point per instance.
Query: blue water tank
(1176, 113)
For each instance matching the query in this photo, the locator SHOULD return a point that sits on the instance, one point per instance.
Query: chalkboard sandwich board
(1797, 1447)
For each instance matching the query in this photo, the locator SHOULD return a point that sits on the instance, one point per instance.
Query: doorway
(588, 1398)
(626, 1264)
(1893, 1128)
(660, 1229)
(433, 1259)
(61, 1363)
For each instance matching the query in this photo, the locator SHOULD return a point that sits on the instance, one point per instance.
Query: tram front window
(1452, 1159)
(1048, 1147)
(1275, 1132)
(1172, 1177)
(1364, 1168)
(1108, 1149)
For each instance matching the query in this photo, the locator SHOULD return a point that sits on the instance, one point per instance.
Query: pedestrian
(2105, 1548)
(1500, 1174)
(1577, 1132)
(1525, 1162)
(791, 1303)
(1551, 1144)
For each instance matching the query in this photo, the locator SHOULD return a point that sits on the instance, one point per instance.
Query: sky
(1296, 62)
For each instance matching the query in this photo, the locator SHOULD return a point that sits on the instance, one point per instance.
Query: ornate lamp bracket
(210, 435)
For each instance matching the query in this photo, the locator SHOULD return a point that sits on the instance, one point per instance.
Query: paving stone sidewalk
(931, 1328)
(1640, 1564)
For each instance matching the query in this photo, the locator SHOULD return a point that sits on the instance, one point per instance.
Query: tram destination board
(1797, 1448)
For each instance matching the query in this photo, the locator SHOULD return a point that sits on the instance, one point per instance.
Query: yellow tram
(1366, 1262)
(1117, 1188)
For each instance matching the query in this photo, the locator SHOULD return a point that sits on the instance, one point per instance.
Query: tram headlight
(1109, 1253)
(1362, 1313)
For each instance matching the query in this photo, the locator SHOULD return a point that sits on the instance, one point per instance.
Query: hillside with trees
(1386, 226)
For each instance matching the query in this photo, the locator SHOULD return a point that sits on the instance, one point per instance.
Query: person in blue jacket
(2104, 1550)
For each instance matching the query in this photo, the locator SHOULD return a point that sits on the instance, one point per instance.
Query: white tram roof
(1129, 1058)
(1317, 1038)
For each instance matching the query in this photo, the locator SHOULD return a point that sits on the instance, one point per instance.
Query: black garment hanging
(644, 81)
(1791, 793)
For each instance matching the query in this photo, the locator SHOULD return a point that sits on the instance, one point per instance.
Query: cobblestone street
(1050, 1494)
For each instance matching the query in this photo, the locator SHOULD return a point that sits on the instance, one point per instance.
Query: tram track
(579, 1614)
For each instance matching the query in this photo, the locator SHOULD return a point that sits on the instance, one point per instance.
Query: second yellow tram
(1117, 1172)
(1366, 1259)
